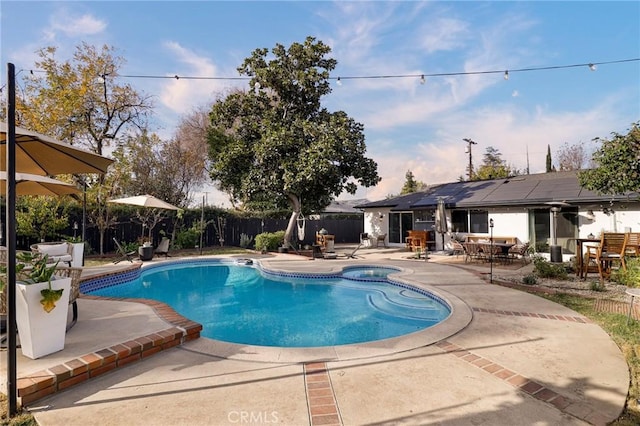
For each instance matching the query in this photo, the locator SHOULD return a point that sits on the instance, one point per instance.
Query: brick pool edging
(75, 371)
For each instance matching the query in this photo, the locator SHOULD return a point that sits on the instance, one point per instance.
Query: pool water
(240, 304)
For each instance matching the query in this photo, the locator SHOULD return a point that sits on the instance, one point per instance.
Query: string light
(422, 77)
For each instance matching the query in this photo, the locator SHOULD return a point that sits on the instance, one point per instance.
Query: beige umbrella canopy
(145, 201)
(28, 184)
(151, 217)
(41, 155)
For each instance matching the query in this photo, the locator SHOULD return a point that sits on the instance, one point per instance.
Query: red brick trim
(323, 408)
(537, 390)
(75, 371)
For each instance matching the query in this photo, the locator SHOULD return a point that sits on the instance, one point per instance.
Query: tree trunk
(294, 201)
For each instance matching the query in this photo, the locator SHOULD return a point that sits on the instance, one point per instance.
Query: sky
(409, 125)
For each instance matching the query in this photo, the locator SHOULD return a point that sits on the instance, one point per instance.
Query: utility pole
(468, 150)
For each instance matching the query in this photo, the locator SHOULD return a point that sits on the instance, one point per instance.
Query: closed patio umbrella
(441, 220)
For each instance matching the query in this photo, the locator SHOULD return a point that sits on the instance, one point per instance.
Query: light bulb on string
(422, 80)
(339, 82)
(593, 67)
(506, 75)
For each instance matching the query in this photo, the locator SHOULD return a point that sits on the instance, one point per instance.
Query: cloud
(180, 95)
(75, 26)
(443, 34)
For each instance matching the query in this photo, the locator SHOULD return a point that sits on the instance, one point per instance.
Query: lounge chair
(163, 248)
(124, 255)
(57, 252)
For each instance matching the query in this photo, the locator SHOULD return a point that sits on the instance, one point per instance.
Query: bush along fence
(219, 230)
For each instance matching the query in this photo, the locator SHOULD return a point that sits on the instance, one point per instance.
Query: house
(521, 206)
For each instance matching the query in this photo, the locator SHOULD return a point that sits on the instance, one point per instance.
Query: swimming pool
(244, 304)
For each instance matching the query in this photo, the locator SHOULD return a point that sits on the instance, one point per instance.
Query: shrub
(187, 238)
(530, 279)
(630, 277)
(545, 269)
(245, 240)
(597, 286)
(269, 241)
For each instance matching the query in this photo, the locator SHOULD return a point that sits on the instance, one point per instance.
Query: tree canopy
(493, 166)
(276, 145)
(617, 163)
(411, 184)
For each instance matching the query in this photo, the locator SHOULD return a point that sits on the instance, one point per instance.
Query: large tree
(81, 101)
(493, 166)
(276, 145)
(572, 157)
(617, 162)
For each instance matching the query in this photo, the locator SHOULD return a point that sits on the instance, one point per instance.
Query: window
(459, 221)
(479, 221)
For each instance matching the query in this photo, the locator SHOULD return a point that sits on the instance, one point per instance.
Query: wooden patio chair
(612, 249)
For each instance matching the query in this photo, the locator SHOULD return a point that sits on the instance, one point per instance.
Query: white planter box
(41, 333)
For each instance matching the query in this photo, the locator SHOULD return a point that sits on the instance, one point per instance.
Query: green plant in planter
(38, 272)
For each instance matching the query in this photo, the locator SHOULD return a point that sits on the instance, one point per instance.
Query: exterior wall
(376, 222)
(619, 221)
(514, 222)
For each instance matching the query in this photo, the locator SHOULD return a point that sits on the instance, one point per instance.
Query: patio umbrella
(41, 155)
(24, 151)
(28, 184)
(441, 220)
(145, 201)
(150, 202)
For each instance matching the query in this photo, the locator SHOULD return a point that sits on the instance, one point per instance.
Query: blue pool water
(240, 304)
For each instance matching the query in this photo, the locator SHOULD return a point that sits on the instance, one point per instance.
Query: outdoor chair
(633, 244)
(457, 248)
(520, 251)
(74, 274)
(381, 238)
(58, 251)
(163, 248)
(124, 255)
(612, 249)
(365, 239)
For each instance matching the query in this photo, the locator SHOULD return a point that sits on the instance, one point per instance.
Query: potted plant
(41, 306)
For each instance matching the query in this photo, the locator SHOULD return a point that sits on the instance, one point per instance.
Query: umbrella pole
(12, 373)
(201, 224)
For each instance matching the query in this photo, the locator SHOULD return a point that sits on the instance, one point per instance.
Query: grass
(626, 336)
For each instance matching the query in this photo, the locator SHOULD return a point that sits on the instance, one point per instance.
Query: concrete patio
(520, 360)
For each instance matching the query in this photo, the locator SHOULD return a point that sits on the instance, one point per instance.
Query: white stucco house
(520, 206)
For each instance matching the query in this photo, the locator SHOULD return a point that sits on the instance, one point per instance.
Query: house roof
(345, 206)
(402, 202)
(521, 190)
